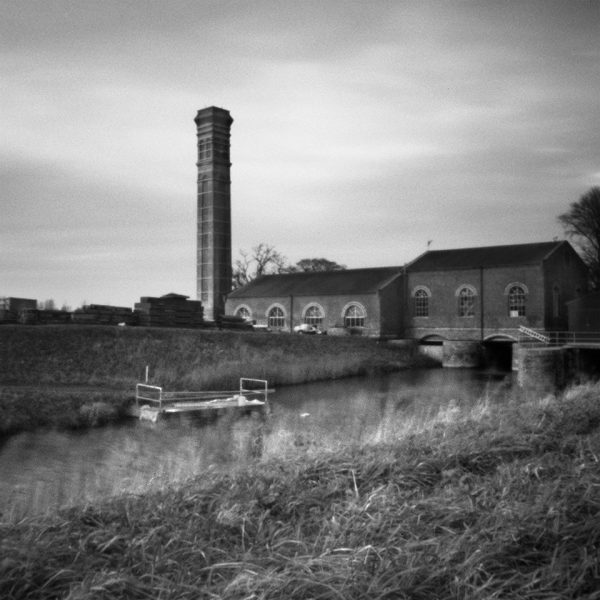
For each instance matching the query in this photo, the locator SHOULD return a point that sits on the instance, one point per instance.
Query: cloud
(361, 130)
(68, 233)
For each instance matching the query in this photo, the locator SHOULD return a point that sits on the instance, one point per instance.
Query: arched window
(313, 315)
(421, 300)
(244, 313)
(276, 317)
(354, 316)
(466, 302)
(516, 301)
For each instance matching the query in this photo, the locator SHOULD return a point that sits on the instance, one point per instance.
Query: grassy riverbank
(75, 376)
(497, 501)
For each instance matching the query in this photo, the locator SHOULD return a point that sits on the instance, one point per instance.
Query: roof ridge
(486, 256)
(520, 245)
(361, 280)
(330, 271)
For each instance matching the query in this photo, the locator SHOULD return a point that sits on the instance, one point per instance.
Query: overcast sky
(362, 130)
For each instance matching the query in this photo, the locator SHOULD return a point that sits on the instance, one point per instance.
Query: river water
(43, 471)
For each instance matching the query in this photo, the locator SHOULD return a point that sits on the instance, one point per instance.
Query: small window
(421, 303)
(204, 149)
(354, 316)
(516, 301)
(466, 302)
(276, 318)
(314, 316)
(244, 313)
(556, 302)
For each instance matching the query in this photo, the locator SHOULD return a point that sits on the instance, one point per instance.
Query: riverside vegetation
(500, 500)
(78, 376)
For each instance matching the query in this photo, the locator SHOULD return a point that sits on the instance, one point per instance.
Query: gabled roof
(485, 256)
(321, 283)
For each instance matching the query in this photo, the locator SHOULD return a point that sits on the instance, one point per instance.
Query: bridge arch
(433, 339)
(500, 338)
(499, 352)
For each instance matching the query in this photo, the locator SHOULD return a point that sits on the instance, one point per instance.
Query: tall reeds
(79, 376)
(181, 358)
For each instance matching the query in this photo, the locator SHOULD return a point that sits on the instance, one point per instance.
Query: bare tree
(47, 304)
(582, 223)
(264, 259)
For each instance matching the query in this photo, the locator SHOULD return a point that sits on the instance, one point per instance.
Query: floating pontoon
(152, 401)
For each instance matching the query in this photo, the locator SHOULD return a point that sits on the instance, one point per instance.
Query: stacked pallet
(103, 314)
(170, 310)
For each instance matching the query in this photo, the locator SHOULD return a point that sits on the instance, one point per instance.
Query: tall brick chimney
(214, 210)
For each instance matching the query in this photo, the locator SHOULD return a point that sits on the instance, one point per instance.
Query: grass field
(75, 376)
(498, 501)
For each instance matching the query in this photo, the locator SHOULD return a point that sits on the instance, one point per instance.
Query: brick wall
(490, 286)
(333, 309)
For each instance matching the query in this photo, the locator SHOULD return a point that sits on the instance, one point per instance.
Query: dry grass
(181, 358)
(500, 501)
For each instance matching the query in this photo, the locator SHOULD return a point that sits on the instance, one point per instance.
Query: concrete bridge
(553, 357)
(548, 361)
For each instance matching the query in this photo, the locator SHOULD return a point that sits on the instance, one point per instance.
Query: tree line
(264, 259)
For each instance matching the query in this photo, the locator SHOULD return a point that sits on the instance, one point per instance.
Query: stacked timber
(7, 316)
(170, 310)
(103, 314)
(33, 316)
(10, 308)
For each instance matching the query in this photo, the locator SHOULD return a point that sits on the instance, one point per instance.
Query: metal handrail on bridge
(558, 338)
(532, 333)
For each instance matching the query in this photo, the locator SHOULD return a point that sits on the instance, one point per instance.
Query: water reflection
(45, 470)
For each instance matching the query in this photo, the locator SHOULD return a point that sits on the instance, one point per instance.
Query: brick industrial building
(480, 293)
(361, 300)
(464, 294)
(442, 297)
